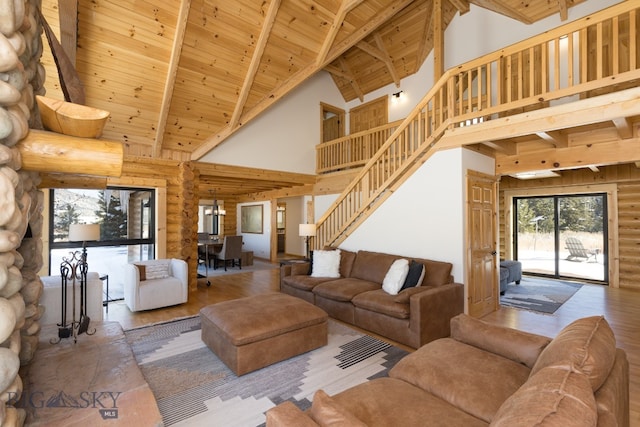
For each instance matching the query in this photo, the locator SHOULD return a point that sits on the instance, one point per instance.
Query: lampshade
(307, 230)
(84, 232)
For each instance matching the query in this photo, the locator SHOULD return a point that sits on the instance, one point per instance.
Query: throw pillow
(327, 412)
(141, 271)
(415, 275)
(158, 269)
(395, 277)
(326, 264)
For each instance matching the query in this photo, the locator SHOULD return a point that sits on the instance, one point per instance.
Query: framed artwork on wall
(251, 219)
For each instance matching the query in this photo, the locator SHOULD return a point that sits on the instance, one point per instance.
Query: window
(562, 235)
(127, 227)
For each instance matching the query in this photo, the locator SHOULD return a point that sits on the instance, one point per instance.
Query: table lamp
(307, 231)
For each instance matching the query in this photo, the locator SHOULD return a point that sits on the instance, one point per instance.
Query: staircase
(594, 55)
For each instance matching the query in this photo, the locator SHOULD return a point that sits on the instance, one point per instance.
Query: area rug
(194, 388)
(540, 295)
(220, 271)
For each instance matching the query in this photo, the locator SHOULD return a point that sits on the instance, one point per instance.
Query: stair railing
(555, 66)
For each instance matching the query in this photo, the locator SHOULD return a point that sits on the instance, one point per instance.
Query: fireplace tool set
(73, 271)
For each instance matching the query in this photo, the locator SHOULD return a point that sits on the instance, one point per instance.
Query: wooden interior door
(483, 289)
(369, 115)
(332, 119)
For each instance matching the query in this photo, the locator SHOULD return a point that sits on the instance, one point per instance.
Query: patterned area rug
(541, 295)
(194, 388)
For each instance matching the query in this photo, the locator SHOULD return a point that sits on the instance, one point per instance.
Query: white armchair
(164, 283)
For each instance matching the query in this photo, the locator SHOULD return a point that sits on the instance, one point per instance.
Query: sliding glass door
(562, 236)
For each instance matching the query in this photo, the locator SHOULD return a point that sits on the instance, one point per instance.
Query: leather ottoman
(253, 332)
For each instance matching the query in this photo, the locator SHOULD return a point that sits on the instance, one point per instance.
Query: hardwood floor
(621, 307)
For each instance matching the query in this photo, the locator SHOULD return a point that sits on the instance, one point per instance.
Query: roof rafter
(345, 7)
(269, 19)
(462, 5)
(503, 9)
(170, 84)
(353, 81)
(562, 7)
(387, 59)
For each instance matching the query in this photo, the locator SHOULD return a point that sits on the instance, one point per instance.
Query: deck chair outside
(577, 250)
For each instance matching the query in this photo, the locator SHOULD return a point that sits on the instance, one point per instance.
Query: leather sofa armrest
(519, 346)
(288, 415)
(295, 269)
(432, 310)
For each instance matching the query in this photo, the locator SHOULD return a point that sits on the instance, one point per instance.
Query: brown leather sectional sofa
(487, 375)
(413, 317)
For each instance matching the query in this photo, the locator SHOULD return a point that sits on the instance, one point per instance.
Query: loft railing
(353, 150)
(593, 55)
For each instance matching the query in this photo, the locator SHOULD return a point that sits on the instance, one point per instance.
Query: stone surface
(95, 381)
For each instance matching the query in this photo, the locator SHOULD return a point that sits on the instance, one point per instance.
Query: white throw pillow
(396, 276)
(159, 269)
(326, 264)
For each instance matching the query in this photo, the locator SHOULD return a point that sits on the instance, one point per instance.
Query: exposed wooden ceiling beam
(172, 71)
(461, 5)
(337, 72)
(387, 59)
(592, 110)
(345, 7)
(267, 25)
(425, 46)
(562, 7)
(624, 126)
(354, 84)
(505, 147)
(622, 151)
(219, 170)
(381, 54)
(503, 9)
(555, 137)
(301, 76)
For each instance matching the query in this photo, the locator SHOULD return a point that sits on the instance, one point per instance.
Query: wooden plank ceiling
(179, 77)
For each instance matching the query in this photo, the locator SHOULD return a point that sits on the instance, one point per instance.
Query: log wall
(626, 178)
(181, 208)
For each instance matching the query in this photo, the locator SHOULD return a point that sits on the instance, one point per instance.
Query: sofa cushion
(326, 264)
(344, 289)
(518, 346)
(415, 275)
(588, 344)
(385, 402)
(474, 380)
(554, 396)
(395, 277)
(381, 302)
(347, 258)
(405, 295)
(372, 266)
(326, 412)
(436, 272)
(304, 282)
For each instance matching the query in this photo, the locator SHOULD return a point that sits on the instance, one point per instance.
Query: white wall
(284, 137)
(425, 217)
